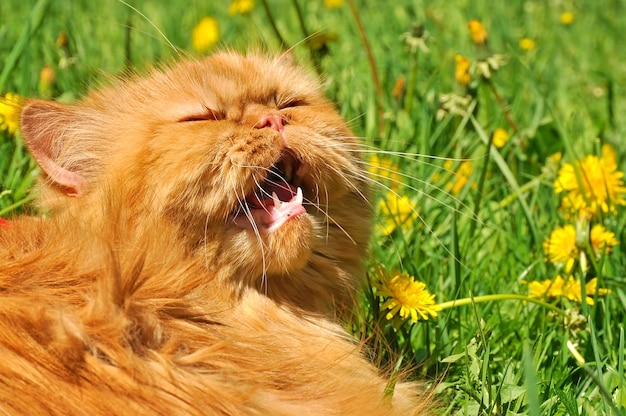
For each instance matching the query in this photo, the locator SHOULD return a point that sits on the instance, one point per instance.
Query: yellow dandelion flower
(602, 185)
(385, 171)
(461, 72)
(568, 288)
(404, 296)
(332, 4)
(546, 288)
(240, 7)
(205, 35)
(461, 176)
(609, 155)
(396, 211)
(592, 287)
(601, 240)
(478, 32)
(567, 18)
(561, 247)
(500, 137)
(10, 106)
(527, 44)
(556, 157)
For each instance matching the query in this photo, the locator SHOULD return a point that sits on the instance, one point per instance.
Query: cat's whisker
(171, 45)
(263, 191)
(344, 176)
(206, 249)
(255, 228)
(363, 148)
(327, 211)
(460, 204)
(329, 219)
(289, 51)
(427, 226)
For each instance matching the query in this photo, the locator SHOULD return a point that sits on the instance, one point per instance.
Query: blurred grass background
(560, 88)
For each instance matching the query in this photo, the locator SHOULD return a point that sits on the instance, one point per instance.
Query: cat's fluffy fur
(141, 292)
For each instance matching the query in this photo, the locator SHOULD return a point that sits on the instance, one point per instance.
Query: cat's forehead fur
(224, 82)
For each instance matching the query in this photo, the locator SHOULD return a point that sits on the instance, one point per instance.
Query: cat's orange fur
(139, 294)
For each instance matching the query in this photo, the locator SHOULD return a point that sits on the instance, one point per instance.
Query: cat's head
(241, 155)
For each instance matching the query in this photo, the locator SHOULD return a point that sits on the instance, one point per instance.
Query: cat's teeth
(299, 197)
(277, 202)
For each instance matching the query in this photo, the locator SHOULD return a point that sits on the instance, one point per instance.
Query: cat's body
(207, 224)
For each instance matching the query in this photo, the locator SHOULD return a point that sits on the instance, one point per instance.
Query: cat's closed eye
(293, 103)
(207, 115)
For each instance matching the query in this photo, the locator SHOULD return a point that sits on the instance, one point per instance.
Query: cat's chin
(279, 249)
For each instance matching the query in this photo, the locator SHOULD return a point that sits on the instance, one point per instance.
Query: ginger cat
(205, 226)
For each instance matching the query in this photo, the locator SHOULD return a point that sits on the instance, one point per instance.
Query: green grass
(501, 357)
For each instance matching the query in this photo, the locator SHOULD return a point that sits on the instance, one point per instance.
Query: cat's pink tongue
(272, 213)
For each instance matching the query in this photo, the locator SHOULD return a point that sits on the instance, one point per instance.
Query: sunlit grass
(462, 210)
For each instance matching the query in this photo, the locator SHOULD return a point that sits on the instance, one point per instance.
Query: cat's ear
(44, 126)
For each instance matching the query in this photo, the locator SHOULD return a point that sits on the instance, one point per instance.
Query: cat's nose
(273, 121)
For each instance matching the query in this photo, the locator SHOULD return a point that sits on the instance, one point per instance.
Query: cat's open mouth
(277, 199)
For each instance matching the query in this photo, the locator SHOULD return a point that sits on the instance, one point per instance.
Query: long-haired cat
(204, 228)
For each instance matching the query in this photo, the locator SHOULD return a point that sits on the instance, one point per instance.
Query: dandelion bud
(478, 32)
(398, 88)
(46, 82)
(205, 35)
(62, 39)
(567, 18)
(240, 7)
(527, 44)
(461, 73)
(500, 137)
(331, 4)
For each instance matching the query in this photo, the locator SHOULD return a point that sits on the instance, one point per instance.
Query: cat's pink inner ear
(43, 125)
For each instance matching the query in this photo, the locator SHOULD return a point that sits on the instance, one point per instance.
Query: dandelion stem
(505, 296)
(535, 182)
(410, 91)
(505, 108)
(36, 17)
(481, 185)
(301, 21)
(128, 54)
(17, 204)
(372, 62)
(315, 56)
(272, 22)
(599, 382)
